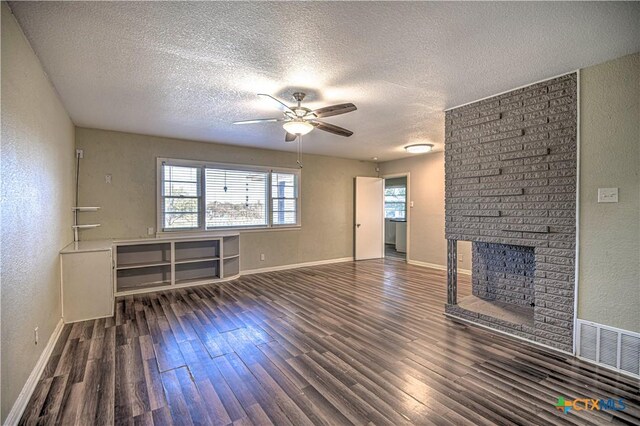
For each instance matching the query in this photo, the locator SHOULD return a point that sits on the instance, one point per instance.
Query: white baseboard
(296, 265)
(27, 390)
(436, 266)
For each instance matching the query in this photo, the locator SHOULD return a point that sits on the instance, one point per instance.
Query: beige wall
(609, 279)
(37, 183)
(426, 222)
(129, 202)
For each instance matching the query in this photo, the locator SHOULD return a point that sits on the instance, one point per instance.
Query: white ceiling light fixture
(298, 127)
(419, 148)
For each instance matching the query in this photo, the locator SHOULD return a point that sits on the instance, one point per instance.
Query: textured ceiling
(187, 70)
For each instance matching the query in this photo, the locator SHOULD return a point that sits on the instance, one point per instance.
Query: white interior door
(369, 218)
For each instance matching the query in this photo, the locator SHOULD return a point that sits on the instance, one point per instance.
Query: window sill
(223, 232)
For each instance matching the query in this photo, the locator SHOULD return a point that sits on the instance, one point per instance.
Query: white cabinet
(401, 237)
(87, 289)
(389, 231)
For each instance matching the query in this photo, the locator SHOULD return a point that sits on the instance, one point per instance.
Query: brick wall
(510, 178)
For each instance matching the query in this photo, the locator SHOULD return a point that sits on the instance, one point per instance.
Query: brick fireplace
(510, 189)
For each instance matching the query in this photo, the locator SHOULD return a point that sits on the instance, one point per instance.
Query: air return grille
(630, 354)
(608, 346)
(588, 341)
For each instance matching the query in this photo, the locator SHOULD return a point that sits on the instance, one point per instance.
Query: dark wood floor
(391, 253)
(361, 343)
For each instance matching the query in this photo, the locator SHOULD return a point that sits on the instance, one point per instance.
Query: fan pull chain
(299, 151)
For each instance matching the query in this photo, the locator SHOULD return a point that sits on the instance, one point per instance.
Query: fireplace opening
(502, 278)
(504, 273)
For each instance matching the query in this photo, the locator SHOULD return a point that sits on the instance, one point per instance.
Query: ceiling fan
(299, 120)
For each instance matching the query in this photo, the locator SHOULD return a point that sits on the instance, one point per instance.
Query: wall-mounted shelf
(76, 227)
(158, 264)
(85, 209)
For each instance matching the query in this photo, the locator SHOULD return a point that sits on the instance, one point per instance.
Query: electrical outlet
(150, 230)
(460, 258)
(107, 178)
(261, 257)
(79, 153)
(35, 335)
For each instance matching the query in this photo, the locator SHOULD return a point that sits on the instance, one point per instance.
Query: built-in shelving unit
(148, 265)
(231, 258)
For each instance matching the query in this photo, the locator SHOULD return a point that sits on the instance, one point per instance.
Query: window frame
(202, 166)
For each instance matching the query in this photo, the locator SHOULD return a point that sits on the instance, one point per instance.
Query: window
(395, 202)
(181, 197)
(196, 196)
(284, 199)
(236, 198)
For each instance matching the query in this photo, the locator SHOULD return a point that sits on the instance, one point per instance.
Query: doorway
(396, 216)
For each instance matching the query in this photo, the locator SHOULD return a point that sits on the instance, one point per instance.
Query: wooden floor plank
(350, 343)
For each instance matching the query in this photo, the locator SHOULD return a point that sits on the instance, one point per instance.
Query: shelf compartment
(193, 250)
(197, 271)
(141, 278)
(231, 266)
(231, 246)
(141, 255)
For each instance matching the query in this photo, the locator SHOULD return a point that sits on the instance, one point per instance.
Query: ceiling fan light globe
(298, 127)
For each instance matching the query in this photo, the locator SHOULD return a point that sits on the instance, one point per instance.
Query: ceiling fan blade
(289, 137)
(259, 120)
(277, 103)
(331, 128)
(334, 110)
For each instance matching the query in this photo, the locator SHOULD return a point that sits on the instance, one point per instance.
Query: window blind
(181, 197)
(235, 198)
(284, 196)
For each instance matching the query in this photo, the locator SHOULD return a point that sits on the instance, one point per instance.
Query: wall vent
(609, 346)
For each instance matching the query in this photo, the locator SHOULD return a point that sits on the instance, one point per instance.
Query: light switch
(607, 195)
